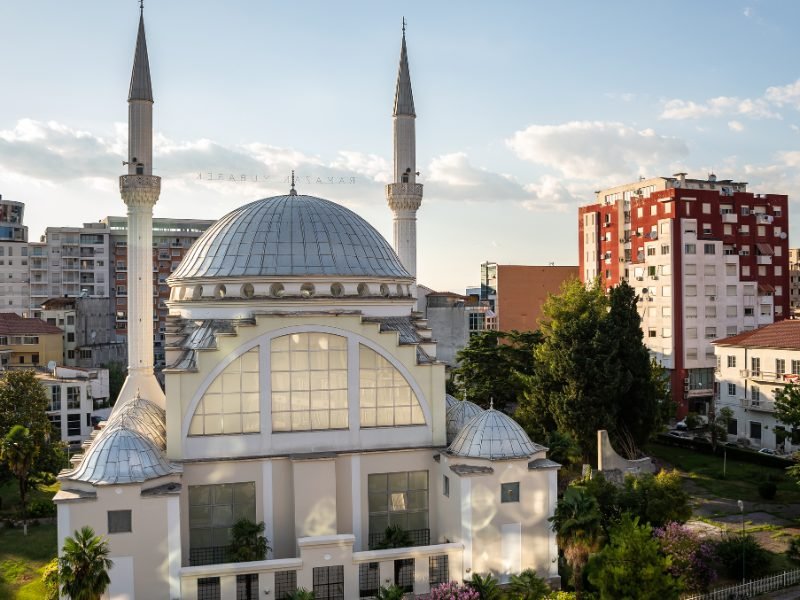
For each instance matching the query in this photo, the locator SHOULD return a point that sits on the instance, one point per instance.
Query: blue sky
(524, 108)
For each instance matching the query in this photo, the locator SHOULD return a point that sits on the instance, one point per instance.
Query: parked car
(767, 451)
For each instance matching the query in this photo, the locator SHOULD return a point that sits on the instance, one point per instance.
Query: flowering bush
(453, 591)
(691, 557)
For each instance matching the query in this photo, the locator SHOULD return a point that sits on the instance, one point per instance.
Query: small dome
(450, 401)
(458, 415)
(293, 235)
(494, 436)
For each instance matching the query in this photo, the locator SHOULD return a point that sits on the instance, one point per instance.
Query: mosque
(302, 392)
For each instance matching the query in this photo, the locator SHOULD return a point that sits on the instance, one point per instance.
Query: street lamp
(741, 510)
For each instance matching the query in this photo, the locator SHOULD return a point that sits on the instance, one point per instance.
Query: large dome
(294, 235)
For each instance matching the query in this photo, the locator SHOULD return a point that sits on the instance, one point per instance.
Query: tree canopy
(23, 401)
(787, 405)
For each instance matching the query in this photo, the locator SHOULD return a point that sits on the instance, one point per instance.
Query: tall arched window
(386, 398)
(230, 404)
(309, 382)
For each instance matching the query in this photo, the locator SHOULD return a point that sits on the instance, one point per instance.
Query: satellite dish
(783, 235)
(51, 366)
(644, 290)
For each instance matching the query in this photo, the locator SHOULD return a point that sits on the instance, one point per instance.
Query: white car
(767, 451)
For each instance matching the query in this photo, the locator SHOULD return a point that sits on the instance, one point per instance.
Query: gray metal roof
(494, 436)
(141, 88)
(294, 235)
(403, 97)
(130, 449)
(459, 415)
(450, 401)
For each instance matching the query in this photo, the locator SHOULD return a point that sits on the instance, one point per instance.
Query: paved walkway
(792, 593)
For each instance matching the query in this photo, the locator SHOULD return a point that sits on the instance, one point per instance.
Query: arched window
(309, 382)
(387, 399)
(230, 404)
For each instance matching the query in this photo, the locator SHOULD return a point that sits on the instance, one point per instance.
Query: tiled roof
(13, 324)
(783, 334)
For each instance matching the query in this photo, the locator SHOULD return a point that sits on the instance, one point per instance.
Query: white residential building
(751, 368)
(14, 290)
(73, 395)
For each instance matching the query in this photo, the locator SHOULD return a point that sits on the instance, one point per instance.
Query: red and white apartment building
(708, 260)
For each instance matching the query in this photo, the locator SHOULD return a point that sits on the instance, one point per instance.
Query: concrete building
(302, 391)
(14, 287)
(707, 259)
(74, 395)
(794, 282)
(172, 238)
(28, 342)
(516, 293)
(88, 326)
(752, 367)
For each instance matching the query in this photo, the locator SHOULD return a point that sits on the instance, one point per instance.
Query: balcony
(763, 219)
(730, 218)
(758, 405)
(771, 376)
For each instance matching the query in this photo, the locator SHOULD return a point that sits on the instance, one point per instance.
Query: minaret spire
(405, 194)
(140, 190)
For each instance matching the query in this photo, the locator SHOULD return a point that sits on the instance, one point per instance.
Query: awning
(765, 288)
(764, 249)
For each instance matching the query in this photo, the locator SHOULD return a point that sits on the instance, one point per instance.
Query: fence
(752, 588)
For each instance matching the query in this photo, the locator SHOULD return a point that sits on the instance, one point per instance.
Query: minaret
(405, 194)
(140, 190)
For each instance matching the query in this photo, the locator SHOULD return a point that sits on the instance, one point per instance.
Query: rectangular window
(404, 574)
(208, 588)
(711, 333)
(438, 570)
(709, 249)
(247, 586)
(509, 492)
(731, 361)
(445, 486)
(73, 425)
(73, 397)
(690, 249)
(285, 584)
(755, 365)
(731, 310)
(119, 521)
(329, 582)
(780, 366)
(691, 333)
(664, 248)
(691, 290)
(213, 509)
(755, 394)
(733, 427)
(55, 398)
(398, 499)
(731, 389)
(711, 310)
(55, 426)
(796, 367)
(755, 430)
(369, 579)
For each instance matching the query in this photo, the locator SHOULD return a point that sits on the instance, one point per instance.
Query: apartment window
(690, 249)
(709, 249)
(85, 354)
(329, 582)
(397, 499)
(778, 271)
(691, 290)
(509, 492)
(213, 509)
(666, 332)
(755, 393)
(73, 425)
(119, 521)
(730, 270)
(445, 486)
(755, 430)
(691, 269)
(70, 337)
(733, 427)
(706, 208)
(731, 310)
(731, 362)
(711, 333)
(690, 312)
(762, 271)
(711, 290)
(691, 333)
(664, 227)
(651, 333)
(55, 398)
(727, 229)
(761, 231)
(779, 290)
(748, 311)
(208, 588)
(780, 366)
(369, 579)
(710, 269)
(664, 248)
(286, 584)
(731, 389)
(796, 367)
(651, 251)
(666, 311)
(745, 210)
(691, 354)
(73, 397)
(755, 365)
(438, 570)
(55, 426)
(730, 330)
(711, 311)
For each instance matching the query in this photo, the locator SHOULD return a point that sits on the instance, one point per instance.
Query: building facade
(14, 287)
(794, 282)
(516, 293)
(73, 396)
(707, 259)
(752, 367)
(302, 391)
(28, 342)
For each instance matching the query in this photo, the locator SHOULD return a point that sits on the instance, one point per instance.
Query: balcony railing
(419, 537)
(759, 405)
(770, 376)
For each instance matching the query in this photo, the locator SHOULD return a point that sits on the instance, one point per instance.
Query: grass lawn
(9, 497)
(741, 479)
(22, 558)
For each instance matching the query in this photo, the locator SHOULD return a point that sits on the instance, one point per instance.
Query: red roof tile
(13, 324)
(783, 334)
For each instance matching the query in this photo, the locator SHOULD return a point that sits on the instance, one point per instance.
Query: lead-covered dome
(494, 436)
(293, 235)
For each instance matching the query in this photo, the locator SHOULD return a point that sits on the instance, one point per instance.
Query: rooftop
(783, 334)
(13, 324)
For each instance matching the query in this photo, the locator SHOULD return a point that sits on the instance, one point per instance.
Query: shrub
(793, 551)
(767, 489)
(729, 551)
(453, 591)
(41, 508)
(528, 586)
(485, 586)
(50, 579)
(301, 594)
(692, 558)
(392, 592)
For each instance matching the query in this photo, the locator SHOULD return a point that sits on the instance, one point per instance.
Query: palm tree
(395, 537)
(392, 592)
(528, 586)
(577, 525)
(84, 566)
(18, 450)
(485, 586)
(301, 594)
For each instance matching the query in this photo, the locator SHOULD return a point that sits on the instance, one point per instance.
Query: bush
(41, 508)
(50, 579)
(767, 489)
(729, 551)
(793, 551)
(692, 558)
(453, 591)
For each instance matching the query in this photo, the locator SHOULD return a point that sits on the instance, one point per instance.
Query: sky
(524, 109)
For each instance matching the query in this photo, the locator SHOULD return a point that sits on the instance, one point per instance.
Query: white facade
(14, 288)
(73, 394)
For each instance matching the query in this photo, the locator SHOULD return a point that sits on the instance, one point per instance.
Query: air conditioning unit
(640, 278)
(712, 298)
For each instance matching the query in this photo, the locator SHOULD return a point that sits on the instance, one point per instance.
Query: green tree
(632, 567)
(50, 580)
(787, 405)
(486, 587)
(607, 495)
(577, 523)
(23, 401)
(718, 421)
(84, 566)
(491, 363)
(528, 586)
(248, 542)
(656, 499)
(391, 592)
(395, 537)
(18, 451)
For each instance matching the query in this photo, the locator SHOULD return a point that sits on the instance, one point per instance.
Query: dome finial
(292, 191)
(491, 403)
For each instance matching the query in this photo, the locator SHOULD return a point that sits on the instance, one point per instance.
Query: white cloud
(783, 95)
(596, 150)
(747, 12)
(735, 126)
(759, 108)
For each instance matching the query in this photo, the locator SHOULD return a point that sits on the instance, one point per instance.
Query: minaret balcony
(140, 182)
(404, 189)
